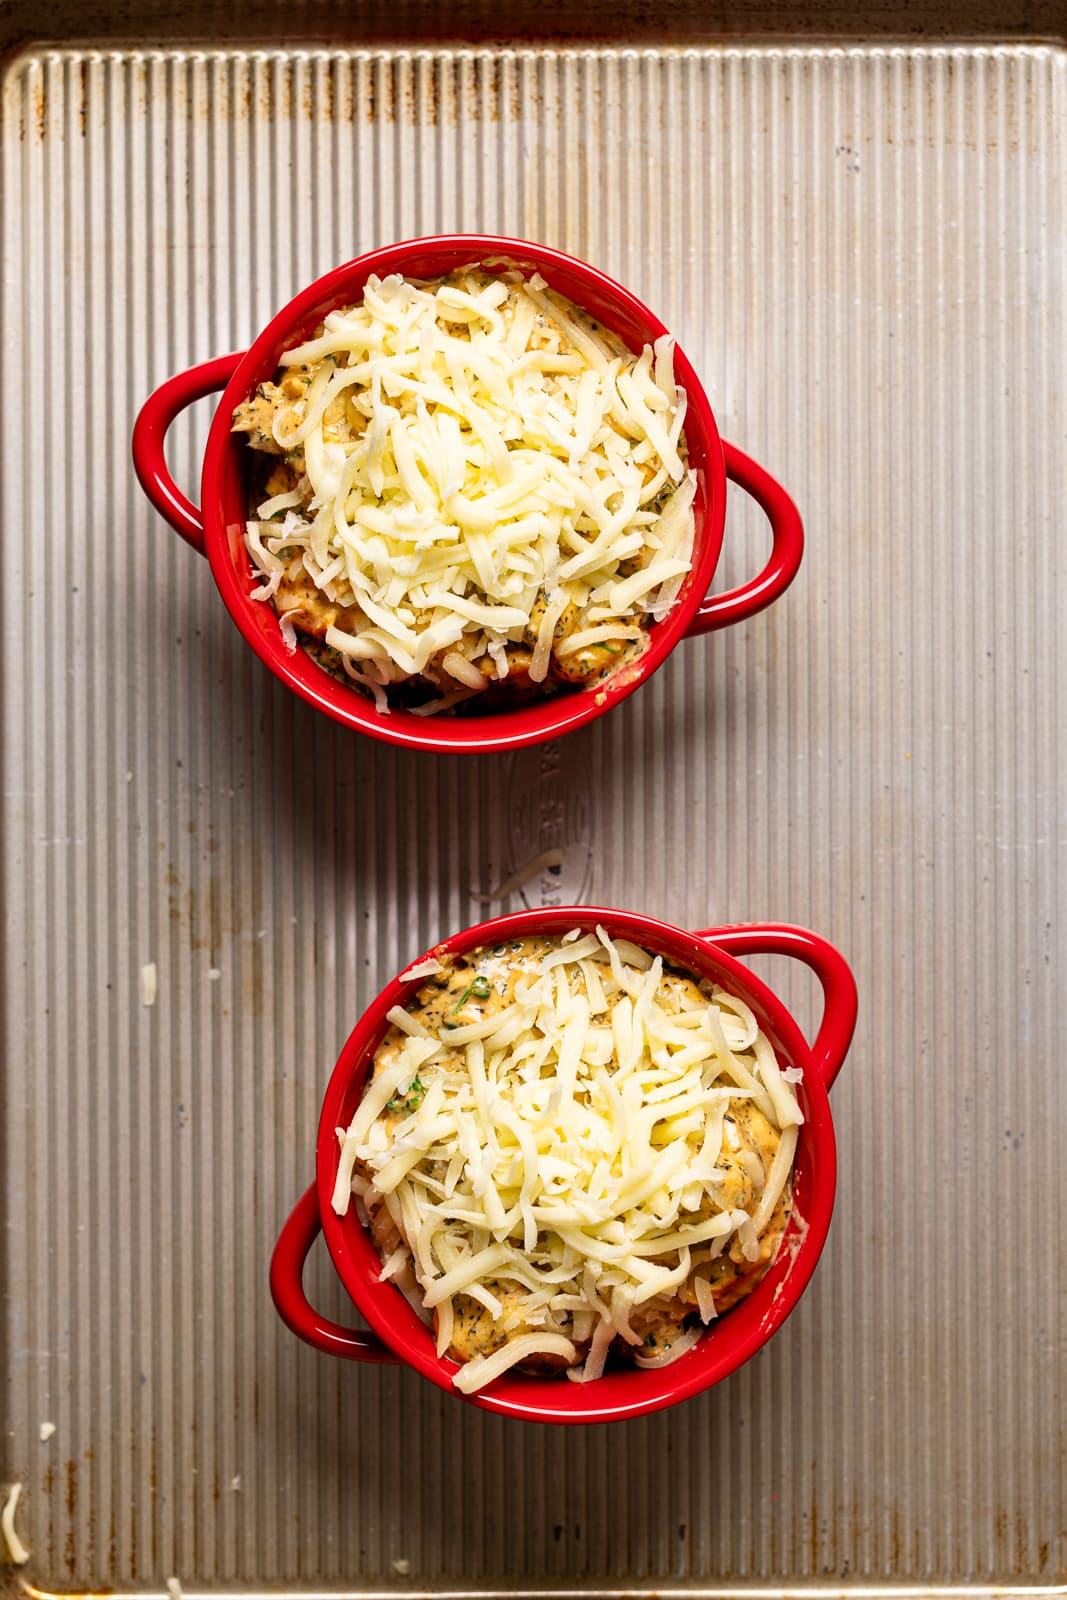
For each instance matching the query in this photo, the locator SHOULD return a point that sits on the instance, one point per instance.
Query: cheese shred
(18, 1555)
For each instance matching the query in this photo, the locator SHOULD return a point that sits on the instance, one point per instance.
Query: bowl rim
(726, 1344)
(224, 509)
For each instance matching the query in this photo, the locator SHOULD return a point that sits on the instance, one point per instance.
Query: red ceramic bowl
(216, 529)
(398, 1334)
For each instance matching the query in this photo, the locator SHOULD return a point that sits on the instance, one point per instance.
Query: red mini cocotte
(397, 1334)
(216, 528)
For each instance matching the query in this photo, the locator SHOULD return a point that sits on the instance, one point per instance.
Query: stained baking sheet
(860, 245)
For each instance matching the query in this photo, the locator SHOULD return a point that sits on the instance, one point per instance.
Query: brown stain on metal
(424, 93)
(276, 97)
(223, 906)
(318, 101)
(344, 73)
(265, 98)
(229, 906)
(465, 91)
(496, 98)
(112, 1542)
(208, 909)
(429, 90)
(968, 84)
(254, 983)
(1012, 1535)
(134, 1514)
(70, 1555)
(153, 1483)
(380, 96)
(422, 89)
(446, 93)
(487, 106)
(88, 1554)
(364, 92)
(895, 1541)
(514, 92)
(404, 90)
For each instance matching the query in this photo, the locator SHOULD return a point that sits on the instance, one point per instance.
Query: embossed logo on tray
(551, 824)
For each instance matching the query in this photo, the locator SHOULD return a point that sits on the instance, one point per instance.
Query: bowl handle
(787, 547)
(149, 436)
(301, 1230)
(829, 966)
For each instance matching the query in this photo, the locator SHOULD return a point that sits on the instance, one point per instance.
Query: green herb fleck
(407, 1103)
(462, 1000)
(478, 986)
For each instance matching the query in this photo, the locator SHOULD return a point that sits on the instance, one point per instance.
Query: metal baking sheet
(859, 241)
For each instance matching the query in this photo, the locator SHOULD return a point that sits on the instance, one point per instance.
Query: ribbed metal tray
(860, 243)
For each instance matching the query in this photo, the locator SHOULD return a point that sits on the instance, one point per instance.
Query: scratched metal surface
(861, 247)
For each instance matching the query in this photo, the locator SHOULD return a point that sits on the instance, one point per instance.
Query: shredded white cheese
(547, 859)
(558, 1155)
(472, 454)
(421, 969)
(16, 1550)
(149, 983)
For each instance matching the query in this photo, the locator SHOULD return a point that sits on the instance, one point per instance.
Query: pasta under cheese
(569, 1150)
